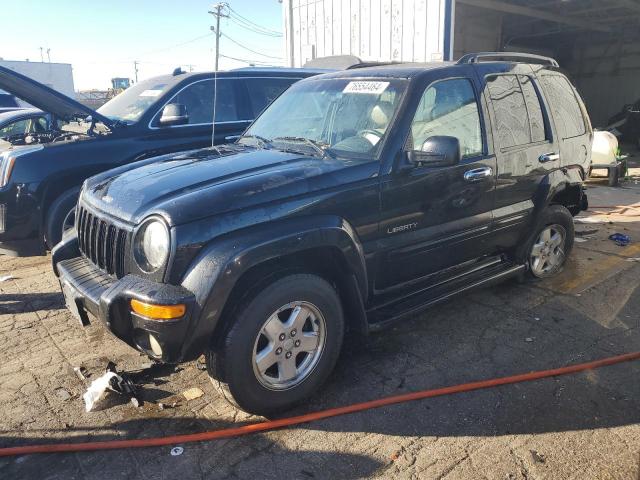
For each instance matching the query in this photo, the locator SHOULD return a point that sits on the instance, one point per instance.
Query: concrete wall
(58, 76)
(608, 77)
(383, 30)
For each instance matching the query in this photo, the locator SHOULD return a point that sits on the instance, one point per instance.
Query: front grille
(102, 242)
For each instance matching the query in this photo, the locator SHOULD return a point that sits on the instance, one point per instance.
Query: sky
(102, 39)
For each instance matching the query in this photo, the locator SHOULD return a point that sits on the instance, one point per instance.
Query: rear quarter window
(564, 105)
(263, 91)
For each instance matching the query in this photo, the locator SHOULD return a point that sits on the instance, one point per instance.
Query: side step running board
(496, 278)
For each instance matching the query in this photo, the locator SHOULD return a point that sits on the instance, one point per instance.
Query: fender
(216, 270)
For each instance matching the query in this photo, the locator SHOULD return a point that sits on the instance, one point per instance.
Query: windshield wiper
(321, 148)
(264, 143)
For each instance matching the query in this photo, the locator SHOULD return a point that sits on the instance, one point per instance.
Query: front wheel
(282, 345)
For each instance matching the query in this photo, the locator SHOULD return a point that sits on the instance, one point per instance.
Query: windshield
(131, 104)
(340, 116)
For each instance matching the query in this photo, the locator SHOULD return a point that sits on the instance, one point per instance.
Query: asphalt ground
(583, 426)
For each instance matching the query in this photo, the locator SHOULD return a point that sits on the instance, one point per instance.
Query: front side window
(341, 116)
(263, 91)
(564, 105)
(449, 108)
(15, 128)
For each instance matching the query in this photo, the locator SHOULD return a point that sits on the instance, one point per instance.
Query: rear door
(571, 121)
(438, 217)
(525, 147)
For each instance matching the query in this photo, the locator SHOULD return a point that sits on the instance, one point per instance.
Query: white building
(597, 42)
(58, 76)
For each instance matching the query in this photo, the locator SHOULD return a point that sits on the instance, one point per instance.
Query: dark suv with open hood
(41, 174)
(356, 199)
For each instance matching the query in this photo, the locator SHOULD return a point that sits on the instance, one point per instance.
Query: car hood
(46, 98)
(188, 187)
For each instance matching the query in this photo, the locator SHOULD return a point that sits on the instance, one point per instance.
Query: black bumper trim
(108, 299)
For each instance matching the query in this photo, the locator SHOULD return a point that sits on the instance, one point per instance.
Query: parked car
(24, 121)
(41, 175)
(358, 198)
(8, 102)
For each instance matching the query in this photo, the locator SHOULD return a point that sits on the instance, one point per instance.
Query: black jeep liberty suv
(357, 198)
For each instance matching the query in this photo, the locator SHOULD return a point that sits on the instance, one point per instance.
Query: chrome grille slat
(102, 242)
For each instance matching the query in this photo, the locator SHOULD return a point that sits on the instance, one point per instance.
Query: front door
(438, 217)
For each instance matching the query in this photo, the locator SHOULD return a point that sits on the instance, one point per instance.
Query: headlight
(152, 245)
(8, 159)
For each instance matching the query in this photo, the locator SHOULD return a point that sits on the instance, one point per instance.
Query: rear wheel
(548, 248)
(282, 345)
(61, 217)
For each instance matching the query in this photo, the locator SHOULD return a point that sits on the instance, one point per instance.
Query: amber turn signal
(158, 312)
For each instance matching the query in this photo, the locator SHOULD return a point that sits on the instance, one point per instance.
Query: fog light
(158, 312)
(155, 346)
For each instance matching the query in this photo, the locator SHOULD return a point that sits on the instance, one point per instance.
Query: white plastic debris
(175, 451)
(6, 278)
(97, 389)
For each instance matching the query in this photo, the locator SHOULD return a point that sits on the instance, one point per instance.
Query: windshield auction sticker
(366, 87)
(151, 93)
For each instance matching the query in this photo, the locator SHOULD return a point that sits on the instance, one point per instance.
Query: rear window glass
(510, 110)
(263, 91)
(536, 119)
(564, 106)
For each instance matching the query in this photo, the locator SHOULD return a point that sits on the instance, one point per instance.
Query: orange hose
(310, 417)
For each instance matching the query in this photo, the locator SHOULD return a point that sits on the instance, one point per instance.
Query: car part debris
(175, 451)
(164, 406)
(116, 382)
(63, 394)
(620, 239)
(81, 373)
(192, 393)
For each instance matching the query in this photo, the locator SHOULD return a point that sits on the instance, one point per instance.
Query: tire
(255, 328)
(555, 219)
(61, 212)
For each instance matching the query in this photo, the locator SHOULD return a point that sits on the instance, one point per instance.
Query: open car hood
(46, 98)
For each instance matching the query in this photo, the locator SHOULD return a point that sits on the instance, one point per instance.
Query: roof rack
(342, 62)
(508, 56)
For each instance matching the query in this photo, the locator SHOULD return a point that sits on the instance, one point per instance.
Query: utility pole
(49, 55)
(41, 54)
(135, 68)
(217, 12)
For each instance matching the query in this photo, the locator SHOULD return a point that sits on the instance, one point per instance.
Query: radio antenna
(216, 12)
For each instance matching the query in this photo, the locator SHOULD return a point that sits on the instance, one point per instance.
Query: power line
(249, 61)
(252, 23)
(249, 49)
(164, 49)
(254, 30)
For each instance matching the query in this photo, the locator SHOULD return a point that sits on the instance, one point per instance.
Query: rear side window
(517, 109)
(449, 108)
(534, 109)
(263, 91)
(564, 106)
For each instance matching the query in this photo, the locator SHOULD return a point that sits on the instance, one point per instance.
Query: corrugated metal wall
(397, 30)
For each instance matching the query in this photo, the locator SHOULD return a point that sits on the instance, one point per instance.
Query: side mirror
(174, 114)
(438, 151)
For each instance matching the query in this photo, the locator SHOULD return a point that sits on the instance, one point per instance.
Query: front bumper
(97, 294)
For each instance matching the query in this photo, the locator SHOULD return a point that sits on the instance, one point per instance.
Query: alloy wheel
(547, 253)
(289, 345)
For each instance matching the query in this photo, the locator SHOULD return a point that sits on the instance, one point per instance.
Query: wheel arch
(229, 269)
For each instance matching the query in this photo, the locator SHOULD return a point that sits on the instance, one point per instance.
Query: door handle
(478, 174)
(548, 157)
(230, 138)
